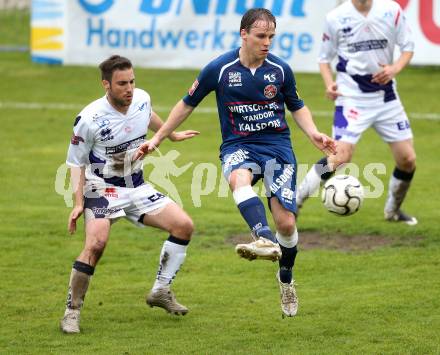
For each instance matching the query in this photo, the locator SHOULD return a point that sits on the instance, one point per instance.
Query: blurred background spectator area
(15, 4)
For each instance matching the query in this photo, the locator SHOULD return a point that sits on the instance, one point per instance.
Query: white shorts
(114, 202)
(389, 120)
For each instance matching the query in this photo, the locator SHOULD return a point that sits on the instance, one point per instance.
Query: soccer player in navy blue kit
(252, 86)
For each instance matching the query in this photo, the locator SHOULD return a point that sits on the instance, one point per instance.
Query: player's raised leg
(322, 171)
(400, 181)
(179, 225)
(97, 233)
(254, 213)
(287, 236)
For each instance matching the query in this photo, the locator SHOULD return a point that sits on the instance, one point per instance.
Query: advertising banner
(189, 33)
(424, 19)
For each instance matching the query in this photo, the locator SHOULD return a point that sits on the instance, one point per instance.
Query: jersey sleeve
(329, 43)
(291, 97)
(205, 83)
(80, 144)
(146, 96)
(404, 38)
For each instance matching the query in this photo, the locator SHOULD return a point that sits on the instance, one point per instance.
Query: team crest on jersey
(193, 87)
(235, 78)
(270, 91)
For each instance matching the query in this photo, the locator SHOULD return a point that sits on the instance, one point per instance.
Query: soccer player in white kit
(363, 34)
(108, 185)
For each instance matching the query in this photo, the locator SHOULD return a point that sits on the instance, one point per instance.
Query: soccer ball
(343, 195)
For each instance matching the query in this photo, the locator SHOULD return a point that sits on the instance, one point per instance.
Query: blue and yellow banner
(189, 33)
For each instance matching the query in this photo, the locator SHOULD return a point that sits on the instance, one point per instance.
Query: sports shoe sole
(411, 222)
(251, 255)
(177, 313)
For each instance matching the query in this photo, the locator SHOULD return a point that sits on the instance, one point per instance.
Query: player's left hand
(324, 143)
(387, 74)
(181, 136)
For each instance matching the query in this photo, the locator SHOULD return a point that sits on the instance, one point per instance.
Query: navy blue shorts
(276, 165)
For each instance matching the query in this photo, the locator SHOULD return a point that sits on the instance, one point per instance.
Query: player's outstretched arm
(182, 135)
(156, 123)
(77, 177)
(304, 120)
(177, 115)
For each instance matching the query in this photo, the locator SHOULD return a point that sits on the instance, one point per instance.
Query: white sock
(287, 241)
(397, 190)
(308, 187)
(78, 285)
(172, 257)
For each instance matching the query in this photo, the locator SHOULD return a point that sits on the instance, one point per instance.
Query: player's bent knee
(183, 228)
(408, 163)
(97, 247)
(287, 226)
(93, 251)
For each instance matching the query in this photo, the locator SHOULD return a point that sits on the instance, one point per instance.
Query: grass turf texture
(14, 28)
(381, 301)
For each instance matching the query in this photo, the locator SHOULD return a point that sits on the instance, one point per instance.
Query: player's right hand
(324, 143)
(74, 215)
(332, 91)
(146, 148)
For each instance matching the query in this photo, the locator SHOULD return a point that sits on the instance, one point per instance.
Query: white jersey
(104, 141)
(362, 43)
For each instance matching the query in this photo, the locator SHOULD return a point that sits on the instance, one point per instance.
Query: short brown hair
(115, 62)
(253, 15)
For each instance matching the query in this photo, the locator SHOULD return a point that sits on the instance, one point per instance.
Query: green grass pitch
(383, 300)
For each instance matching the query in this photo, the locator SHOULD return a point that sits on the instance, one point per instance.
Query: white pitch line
(40, 106)
(199, 110)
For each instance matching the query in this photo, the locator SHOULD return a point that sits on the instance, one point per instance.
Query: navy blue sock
(254, 214)
(286, 263)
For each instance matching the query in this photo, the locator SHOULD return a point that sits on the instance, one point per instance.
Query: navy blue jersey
(250, 106)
